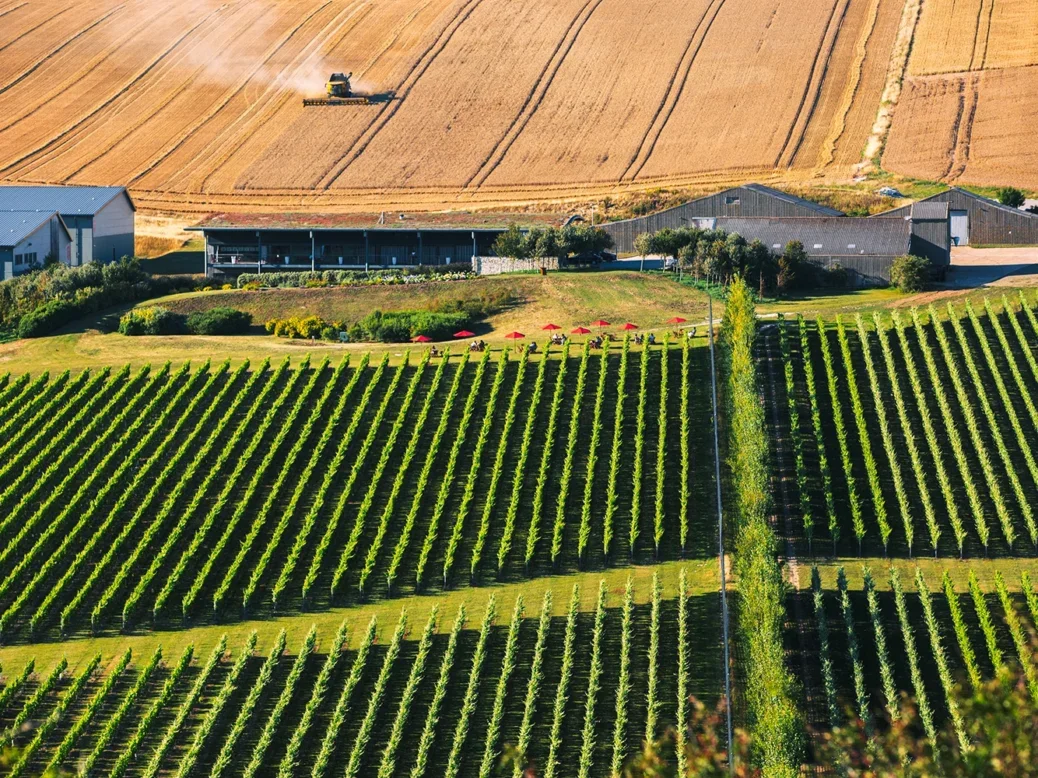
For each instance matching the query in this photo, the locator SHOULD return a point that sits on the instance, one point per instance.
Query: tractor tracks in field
(535, 96)
(236, 90)
(675, 88)
(11, 9)
(819, 72)
(962, 133)
(58, 49)
(230, 139)
(69, 132)
(26, 33)
(827, 154)
(418, 69)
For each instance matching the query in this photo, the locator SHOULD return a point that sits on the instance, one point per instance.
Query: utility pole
(720, 544)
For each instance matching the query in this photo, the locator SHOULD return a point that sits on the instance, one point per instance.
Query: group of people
(558, 339)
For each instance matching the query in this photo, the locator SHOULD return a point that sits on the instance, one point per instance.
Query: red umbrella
(421, 339)
(551, 327)
(600, 323)
(677, 320)
(581, 331)
(514, 336)
(464, 334)
(630, 326)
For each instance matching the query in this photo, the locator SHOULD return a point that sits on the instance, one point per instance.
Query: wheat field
(197, 105)
(970, 103)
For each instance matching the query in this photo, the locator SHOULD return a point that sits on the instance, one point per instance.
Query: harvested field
(970, 100)
(198, 105)
(976, 128)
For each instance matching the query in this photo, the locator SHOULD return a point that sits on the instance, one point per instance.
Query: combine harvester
(339, 92)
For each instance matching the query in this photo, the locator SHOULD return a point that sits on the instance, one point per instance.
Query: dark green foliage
(559, 242)
(152, 321)
(37, 303)
(219, 321)
(910, 273)
(775, 721)
(1011, 196)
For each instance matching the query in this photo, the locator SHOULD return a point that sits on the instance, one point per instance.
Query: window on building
(852, 245)
(818, 245)
(731, 200)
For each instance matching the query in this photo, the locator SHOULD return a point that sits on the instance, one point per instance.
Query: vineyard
(171, 496)
(437, 695)
(910, 633)
(911, 434)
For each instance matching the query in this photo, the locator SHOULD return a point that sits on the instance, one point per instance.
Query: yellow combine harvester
(339, 92)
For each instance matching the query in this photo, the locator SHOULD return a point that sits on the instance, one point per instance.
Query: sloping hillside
(198, 105)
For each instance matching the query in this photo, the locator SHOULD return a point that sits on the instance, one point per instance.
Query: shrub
(152, 321)
(219, 321)
(47, 318)
(1011, 196)
(909, 273)
(58, 294)
(401, 326)
(301, 327)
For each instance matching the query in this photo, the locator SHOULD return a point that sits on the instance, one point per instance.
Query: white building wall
(113, 232)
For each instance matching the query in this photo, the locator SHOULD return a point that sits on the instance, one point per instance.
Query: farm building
(100, 219)
(980, 221)
(748, 201)
(27, 238)
(866, 247)
(236, 243)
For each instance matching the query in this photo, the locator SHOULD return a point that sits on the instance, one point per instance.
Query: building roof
(930, 210)
(822, 210)
(841, 236)
(449, 220)
(66, 200)
(987, 202)
(16, 226)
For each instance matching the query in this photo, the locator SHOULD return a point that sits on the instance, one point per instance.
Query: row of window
(25, 259)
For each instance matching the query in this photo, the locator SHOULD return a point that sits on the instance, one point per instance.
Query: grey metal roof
(841, 236)
(67, 200)
(780, 195)
(16, 226)
(930, 209)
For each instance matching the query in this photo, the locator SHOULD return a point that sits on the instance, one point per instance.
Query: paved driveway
(972, 267)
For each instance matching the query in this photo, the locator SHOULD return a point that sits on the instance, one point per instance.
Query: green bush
(401, 326)
(47, 318)
(303, 328)
(152, 321)
(1011, 196)
(909, 273)
(219, 321)
(58, 294)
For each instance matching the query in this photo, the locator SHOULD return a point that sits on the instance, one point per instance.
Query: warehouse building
(976, 220)
(749, 201)
(27, 238)
(100, 219)
(237, 243)
(867, 247)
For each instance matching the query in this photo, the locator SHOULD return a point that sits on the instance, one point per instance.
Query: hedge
(776, 724)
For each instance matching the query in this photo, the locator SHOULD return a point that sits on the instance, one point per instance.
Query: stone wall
(493, 266)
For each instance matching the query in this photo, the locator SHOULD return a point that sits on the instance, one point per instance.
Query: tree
(790, 265)
(512, 244)
(909, 273)
(1011, 196)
